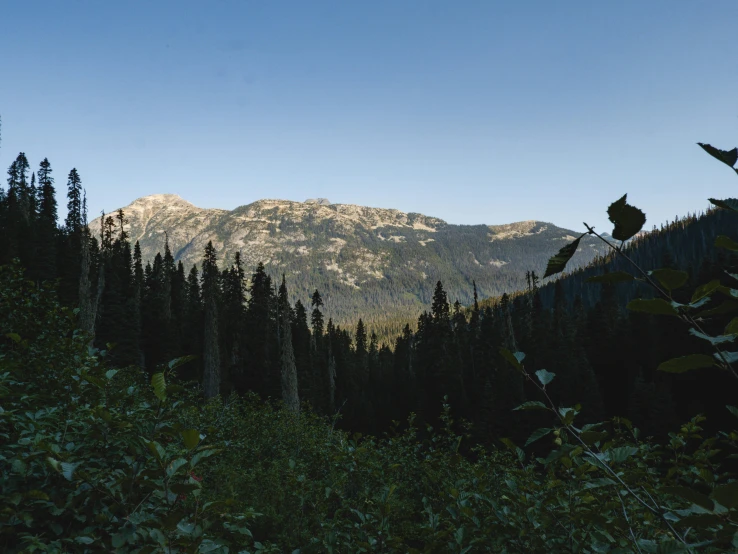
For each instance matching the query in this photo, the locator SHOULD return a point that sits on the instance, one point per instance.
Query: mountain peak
(368, 258)
(160, 199)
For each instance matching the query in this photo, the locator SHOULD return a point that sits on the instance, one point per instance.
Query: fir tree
(290, 395)
(211, 348)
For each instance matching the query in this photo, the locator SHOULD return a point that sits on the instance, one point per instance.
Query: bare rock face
(367, 261)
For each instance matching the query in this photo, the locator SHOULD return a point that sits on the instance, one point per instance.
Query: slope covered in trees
(123, 468)
(379, 263)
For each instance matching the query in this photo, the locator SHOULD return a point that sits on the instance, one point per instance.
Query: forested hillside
(249, 437)
(230, 318)
(380, 263)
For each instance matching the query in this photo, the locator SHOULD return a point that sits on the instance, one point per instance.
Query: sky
(471, 111)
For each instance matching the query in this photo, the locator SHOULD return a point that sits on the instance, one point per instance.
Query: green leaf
(184, 488)
(15, 337)
(186, 527)
(191, 438)
(628, 220)
(601, 482)
(670, 279)
(512, 446)
(727, 204)
(557, 263)
(99, 383)
(728, 157)
(68, 470)
(531, 405)
(559, 453)
(656, 306)
(109, 374)
(705, 290)
(621, 453)
(176, 362)
(84, 540)
(609, 278)
(591, 437)
(201, 456)
(692, 496)
(545, 377)
(686, 363)
(720, 339)
(513, 359)
(175, 465)
(537, 434)
(727, 307)
(160, 386)
(726, 242)
(727, 495)
(733, 410)
(156, 449)
(726, 357)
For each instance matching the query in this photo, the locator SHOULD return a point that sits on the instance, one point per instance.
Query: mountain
(365, 261)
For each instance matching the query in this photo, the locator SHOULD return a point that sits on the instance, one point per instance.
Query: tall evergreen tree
(46, 228)
(211, 347)
(290, 394)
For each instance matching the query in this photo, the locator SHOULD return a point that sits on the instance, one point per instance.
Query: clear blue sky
(472, 111)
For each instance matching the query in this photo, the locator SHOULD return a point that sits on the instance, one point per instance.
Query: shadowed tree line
(245, 335)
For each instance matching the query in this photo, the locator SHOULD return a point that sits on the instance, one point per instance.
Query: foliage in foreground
(94, 460)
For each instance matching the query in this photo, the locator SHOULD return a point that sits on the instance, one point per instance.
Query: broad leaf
(201, 456)
(591, 437)
(720, 339)
(160, 386)
(727, 204)
(191, 438)
(656, 306)
(601, 482)
(557, 263)
(728, 157)
(693, 496)
(705, 290)
(175, 465)
(733, 410)
(512, 446)
(727, 494)
(727, 307)
(732, 327)
(176, 362)
(68, 470)
(532, 405)
(687, 363)
(545, 377)
(723, 241)
(537, 434)
(513, 359)
(628, 220)
(614, 277)
(726, 357)
(670, 279)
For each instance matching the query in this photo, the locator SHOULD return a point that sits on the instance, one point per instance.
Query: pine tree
(70, 251)
(74, 201)
(290, 395)
(211, 347)
(46, 231)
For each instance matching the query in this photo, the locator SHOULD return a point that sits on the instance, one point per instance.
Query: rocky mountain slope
(367, 262)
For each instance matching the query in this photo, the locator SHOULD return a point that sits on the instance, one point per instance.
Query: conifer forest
(146, 406)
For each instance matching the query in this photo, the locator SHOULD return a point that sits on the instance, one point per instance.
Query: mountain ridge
(363, 260)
